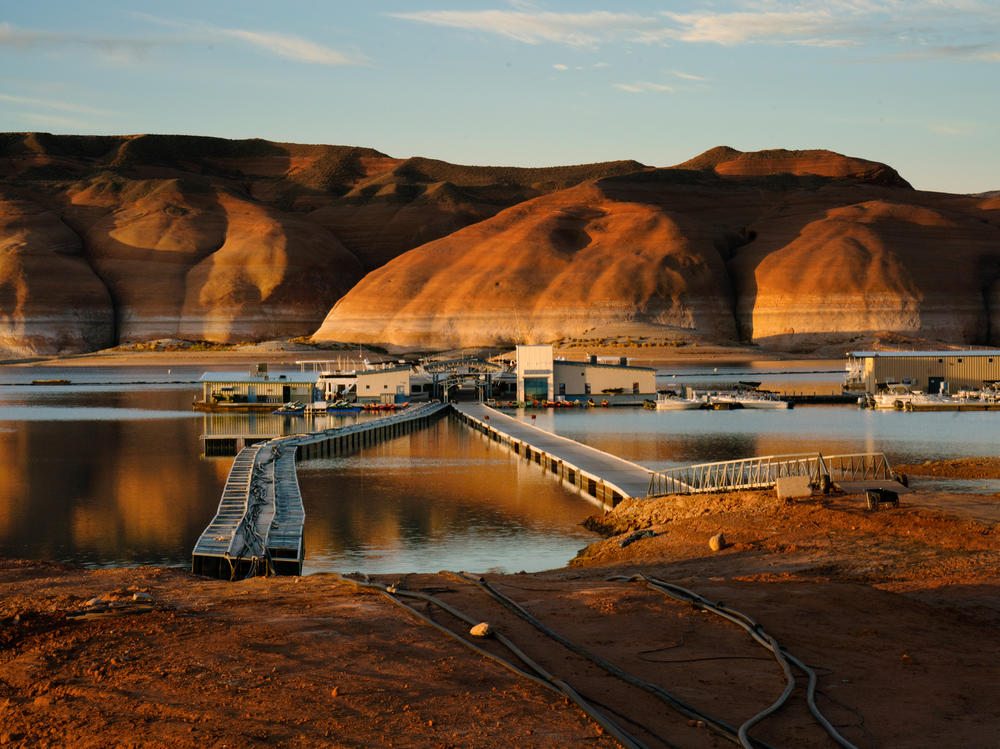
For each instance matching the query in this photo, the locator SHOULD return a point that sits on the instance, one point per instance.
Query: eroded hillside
(115, 239)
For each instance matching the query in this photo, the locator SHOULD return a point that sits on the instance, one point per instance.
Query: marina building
(871, 371)
(257, 387)
(540, 376)
(377, 385)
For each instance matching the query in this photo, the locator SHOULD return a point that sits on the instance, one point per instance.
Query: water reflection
(105, 475)
(105, 491)
(442, 498)
(127, 485)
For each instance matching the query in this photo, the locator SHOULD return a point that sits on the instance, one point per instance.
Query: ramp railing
(763, 472)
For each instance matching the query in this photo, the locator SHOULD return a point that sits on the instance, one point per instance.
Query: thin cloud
(573, 29)
(642, 87)
(560, 66)
(59, 106)
(122, 49)
(942, 128)
(968, 52)
(686, 76)
(809, 23)
(114, 47)
(292, 47)
(52, 120)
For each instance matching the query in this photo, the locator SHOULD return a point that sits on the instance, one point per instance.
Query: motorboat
(747, 399)
(293, 408)
(670, 402)
(902, 398)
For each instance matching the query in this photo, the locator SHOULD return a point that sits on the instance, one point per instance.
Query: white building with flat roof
(542, 377)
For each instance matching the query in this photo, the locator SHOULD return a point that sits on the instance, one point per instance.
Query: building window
(586, 388)
(368, 387)
(959, 361)
(940, 361)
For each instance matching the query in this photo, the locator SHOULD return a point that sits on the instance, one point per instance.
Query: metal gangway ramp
(763, 472)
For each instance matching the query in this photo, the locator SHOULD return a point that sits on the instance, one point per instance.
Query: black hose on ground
(544, 678)
(719, 726)
(754, 629)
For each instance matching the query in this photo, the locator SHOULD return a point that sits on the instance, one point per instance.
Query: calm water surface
(666, 439)
(107, 473)
(110, 472)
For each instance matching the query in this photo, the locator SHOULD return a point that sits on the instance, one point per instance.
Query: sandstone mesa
(115, 239)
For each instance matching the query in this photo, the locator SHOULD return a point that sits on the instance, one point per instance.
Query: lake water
(110, 472)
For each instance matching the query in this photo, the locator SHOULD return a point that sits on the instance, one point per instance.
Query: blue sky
(914, 83)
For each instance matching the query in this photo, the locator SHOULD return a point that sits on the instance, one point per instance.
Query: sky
(911, 83)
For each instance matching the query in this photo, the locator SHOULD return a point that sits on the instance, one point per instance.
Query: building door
(934, 385)
(286, 394)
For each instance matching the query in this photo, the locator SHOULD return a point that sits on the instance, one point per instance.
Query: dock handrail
(764, 471)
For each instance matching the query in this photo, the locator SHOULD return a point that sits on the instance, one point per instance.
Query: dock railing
(763, 472)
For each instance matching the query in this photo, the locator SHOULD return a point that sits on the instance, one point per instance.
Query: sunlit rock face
(786, 249)
(550, 267)
(115, 239)
(51, 301)
(224, 240)
(190, 261)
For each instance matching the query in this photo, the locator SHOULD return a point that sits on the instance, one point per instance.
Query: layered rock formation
(221, 240)
(791, 250)
(50, 299)
(553, 266)
(106, 240)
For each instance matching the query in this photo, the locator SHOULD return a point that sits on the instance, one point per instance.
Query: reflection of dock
(258, 527)
(605, 477)
(225, 434)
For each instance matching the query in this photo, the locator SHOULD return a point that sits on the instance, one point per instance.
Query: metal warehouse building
(923, 370)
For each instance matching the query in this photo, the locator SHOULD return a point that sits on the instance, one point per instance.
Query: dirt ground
(897, 612)
(960, 468)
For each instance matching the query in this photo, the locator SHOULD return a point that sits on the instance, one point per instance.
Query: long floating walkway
(605, 477)
(258, 527)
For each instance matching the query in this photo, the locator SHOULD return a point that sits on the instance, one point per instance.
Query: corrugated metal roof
(939, 354)
(294, 378)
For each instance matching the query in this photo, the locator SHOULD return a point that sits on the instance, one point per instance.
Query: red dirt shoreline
(898, 610)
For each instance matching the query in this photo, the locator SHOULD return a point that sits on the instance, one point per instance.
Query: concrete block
(790, 487)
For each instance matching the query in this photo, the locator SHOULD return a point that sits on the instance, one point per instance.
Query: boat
(669, 402)
(293, 408)
(897, 396)
(343, 406)
(747, 399)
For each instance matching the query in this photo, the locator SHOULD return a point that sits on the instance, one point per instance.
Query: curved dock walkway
(258, 527)
(605, 477)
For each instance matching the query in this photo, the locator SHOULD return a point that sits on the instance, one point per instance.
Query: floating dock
(257, 529)
(606, 478)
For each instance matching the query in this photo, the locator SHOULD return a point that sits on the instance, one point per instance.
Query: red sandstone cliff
(113, 239)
